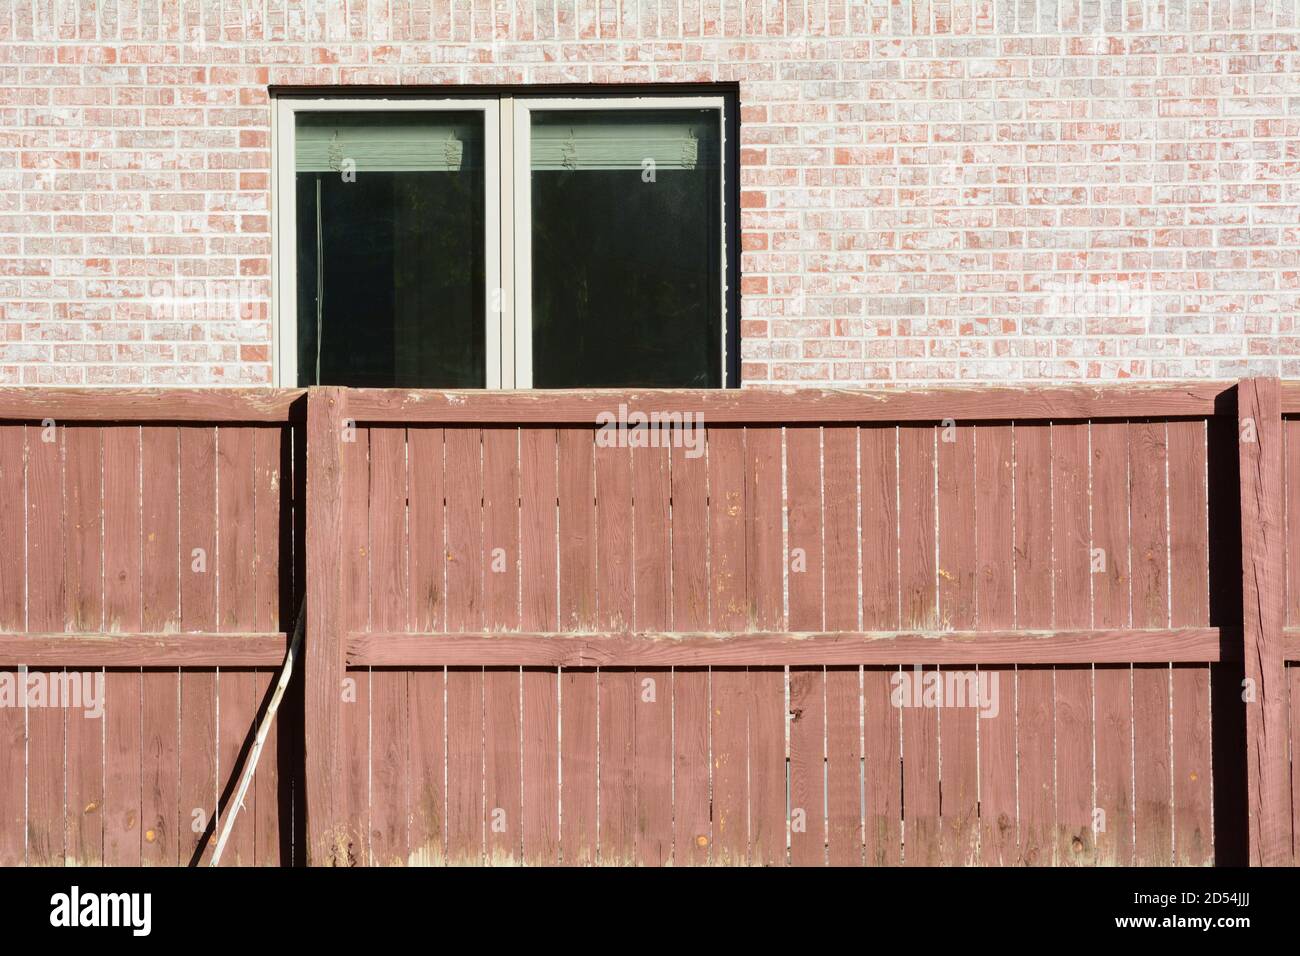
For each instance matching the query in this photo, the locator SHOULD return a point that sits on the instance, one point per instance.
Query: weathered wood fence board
(527, 643)
(1278, 783)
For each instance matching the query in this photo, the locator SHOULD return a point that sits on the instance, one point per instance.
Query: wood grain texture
(653, 688)
(771, 404)
(1113, 686)
(236, 565)
(541, 767)
(46, 601)
(502, 729)
(995, 600)
(882, 764)
(615, 688)
(273, 605)
(329, 842)
(577, 611)
(1035, 715)
(918, 581)
(160, 611)
(389, 599)
(539, 608)
(782, 648)
(691, 776)
(1259, 411)
(84, 610)
(123, 778)
(728, 709)
(354, 691)
(807, 711)
(1189, 606)
(426, 767)
(124, 706)
(199, 784)
(149, 404)
(842, 608)
(1293, 679)
(958, 608)
(13, 613)
(1072, 605)
(1152, 685)
(808, 766)
(465, 560)
(426, 688)
(152, 649)
(765, 691)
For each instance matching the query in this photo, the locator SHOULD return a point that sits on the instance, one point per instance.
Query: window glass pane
(626, 248)
(391, 267)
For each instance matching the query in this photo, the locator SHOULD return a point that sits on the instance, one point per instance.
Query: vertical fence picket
(765, 686)
(501, 686)
(882, 766)
(160, 563)
(577, 600)
(843, 687)
(1072, 608)
(269, 804)
(728, 714)
(690, 685)
(426, 688)
(465, 817)
(1189, 606)
(995, 598)
(236, 569)
(123, 728)
(1035, 736)
(46, 589)
(653, 689)
(1113, 702)
(807, 712)
(199, 788)
(539, 610)
(1152, 783)
(615, 687)
(84, 574)
(13, 586)
(917, 580)
(389, 600)
(958, 741)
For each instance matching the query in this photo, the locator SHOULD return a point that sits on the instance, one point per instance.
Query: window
(505, 242)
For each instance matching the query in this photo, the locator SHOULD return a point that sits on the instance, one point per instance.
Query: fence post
(1259, 440)
(328, 840)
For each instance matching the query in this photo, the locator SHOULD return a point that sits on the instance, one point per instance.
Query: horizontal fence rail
(683, 649)
(996, 625)
(766, 405)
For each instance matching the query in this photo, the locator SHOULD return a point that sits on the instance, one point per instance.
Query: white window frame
(507, 119)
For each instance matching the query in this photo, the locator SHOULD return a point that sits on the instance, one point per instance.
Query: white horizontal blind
(387, 142)
(624, 139)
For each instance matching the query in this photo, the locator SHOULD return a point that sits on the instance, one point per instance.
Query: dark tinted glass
(391, 269)
(626, 255)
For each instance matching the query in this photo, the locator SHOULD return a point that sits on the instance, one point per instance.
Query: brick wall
(931, 191)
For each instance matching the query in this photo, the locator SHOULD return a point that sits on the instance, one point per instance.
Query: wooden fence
(145, 541)
(534, 639)
(690, 659)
